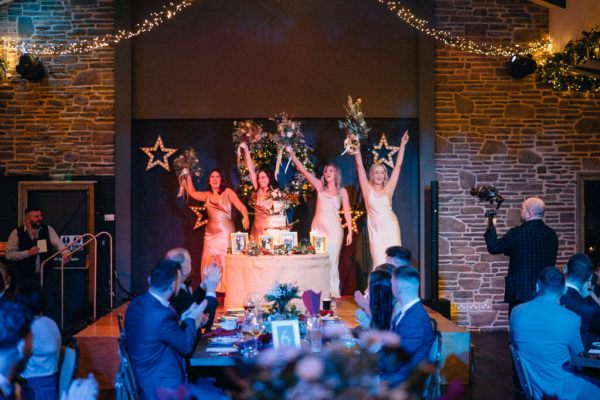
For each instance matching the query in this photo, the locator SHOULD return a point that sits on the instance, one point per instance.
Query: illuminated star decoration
(199, 221)
(356, 214)
(391, 150)
(162, 161)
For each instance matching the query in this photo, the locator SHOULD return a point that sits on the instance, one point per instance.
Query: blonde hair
(337, 177)
(386, 178)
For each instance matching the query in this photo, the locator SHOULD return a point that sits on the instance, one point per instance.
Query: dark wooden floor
(493, 372)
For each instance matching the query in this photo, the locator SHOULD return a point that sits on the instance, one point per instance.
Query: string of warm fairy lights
(155, 19)
(172, 9)
(463, 44)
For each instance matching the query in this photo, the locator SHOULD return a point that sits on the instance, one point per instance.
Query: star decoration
(355, 215)
(198, 211)
(153, 161)
(391, 150)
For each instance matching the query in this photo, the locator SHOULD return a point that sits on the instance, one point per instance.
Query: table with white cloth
(245, 275)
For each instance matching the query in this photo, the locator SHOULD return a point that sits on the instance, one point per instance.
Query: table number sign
(286, 334)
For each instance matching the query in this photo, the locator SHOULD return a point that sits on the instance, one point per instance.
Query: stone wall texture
(63, 125)
(516, 134)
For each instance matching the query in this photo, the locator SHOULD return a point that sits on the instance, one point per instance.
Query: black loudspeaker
(433, 272)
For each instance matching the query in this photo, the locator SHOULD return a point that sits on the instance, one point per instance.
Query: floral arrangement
(265, 150)
(338, 372)
(255, 249)
(564, 71)
(281, 294)
(187, 161)
(288, 134)
(355, 126)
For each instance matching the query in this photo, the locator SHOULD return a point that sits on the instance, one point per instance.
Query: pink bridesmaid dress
(217, 236)
(384, 229)
(260, 224)
(327, 222)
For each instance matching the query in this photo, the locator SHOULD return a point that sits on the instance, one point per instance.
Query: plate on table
(224, 339)
(596, 344)
(235, 311)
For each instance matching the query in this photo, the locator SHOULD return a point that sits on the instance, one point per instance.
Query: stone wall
(517, 134)
(63, 125)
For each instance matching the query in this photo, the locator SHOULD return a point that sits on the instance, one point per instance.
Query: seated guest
(412, 324)
(15, 346)
(547, 336)
(41, 370)
(184, 297)
(398, 256)
(576, 299)
(6, 289)
(157, 340)
(381, 301)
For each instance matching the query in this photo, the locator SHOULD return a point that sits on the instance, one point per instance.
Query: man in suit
(157, 339)
(531, 246)
(576, 299)
(398, 256)
(184, 296)
(412, 324)
(15, 345)
(547, 336)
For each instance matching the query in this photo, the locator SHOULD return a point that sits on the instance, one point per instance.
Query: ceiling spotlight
(520, 66)
(31, 68)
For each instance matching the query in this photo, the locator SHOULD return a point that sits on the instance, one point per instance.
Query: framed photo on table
(266, 241)
(286, 334)
(319, 242)
(288, 239)
(239, 242)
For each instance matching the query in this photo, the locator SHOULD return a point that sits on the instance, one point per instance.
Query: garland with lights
(171, 9)
(264, 150)
(559, 70)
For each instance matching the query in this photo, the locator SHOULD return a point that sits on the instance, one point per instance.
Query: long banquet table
(245, 275)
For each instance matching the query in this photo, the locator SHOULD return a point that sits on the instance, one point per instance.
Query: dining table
(589, 358)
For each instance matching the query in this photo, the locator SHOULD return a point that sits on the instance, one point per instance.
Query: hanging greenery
(560, 69)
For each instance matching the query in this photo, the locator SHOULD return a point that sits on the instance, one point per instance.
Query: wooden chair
(125, 385)
(521, 371)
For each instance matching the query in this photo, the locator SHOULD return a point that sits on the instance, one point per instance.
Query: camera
(488, 193)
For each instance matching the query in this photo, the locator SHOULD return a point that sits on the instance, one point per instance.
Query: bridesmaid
(330, 196)
(218, 201)
(263, 184)
(378, 190)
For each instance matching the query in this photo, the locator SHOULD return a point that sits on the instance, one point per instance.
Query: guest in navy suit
(576, 299)
(531, 246)
(157, 339)
(184, 296)
(15, 345)
(412, 324)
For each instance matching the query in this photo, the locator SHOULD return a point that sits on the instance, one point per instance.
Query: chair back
(68, 366)
(125, 385)
(521, 371)
(433, 383)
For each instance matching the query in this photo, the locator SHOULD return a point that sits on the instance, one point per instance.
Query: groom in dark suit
(412, 324)
(157, 339)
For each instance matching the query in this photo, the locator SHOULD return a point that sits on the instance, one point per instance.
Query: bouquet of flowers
(248, 132)
(288, 134)
(281, 294)
(355, 126)
(186, 163)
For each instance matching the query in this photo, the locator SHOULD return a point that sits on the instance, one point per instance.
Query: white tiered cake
(277, 222)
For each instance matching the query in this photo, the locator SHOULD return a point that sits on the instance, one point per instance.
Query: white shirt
(12, 246)
(160, 299)
(570, 285)
(405, 308)
(45, 350)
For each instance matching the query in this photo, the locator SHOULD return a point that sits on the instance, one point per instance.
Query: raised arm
(391, 185)
(313, 180)
(237, 203)
(249, 165)
(365, 186)
(347, 216)
(191, 190)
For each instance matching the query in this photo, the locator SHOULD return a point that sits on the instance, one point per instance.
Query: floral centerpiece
(255, 249)
(280, 295)
(355, 126)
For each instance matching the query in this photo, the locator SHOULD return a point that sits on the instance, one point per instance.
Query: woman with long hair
(267, 214)
(330, 197)
(218, 201)
(381, 299)
(378, 190)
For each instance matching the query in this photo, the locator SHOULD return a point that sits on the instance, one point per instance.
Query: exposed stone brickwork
(63, 125)
(517, 134)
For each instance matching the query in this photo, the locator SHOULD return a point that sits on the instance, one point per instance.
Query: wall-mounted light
(520, 66)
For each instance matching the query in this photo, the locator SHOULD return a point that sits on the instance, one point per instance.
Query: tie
(396, 319)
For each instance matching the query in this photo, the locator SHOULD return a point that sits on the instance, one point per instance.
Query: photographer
(531, 246)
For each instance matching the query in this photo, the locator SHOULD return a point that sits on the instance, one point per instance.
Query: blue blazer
(588, 311)
(416, 334)
(157, 343)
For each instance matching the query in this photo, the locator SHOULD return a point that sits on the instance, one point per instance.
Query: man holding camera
(531, 246)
